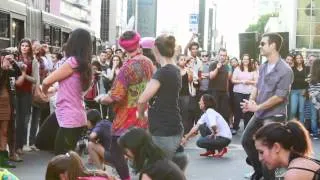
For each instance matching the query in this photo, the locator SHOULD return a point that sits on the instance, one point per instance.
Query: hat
(147, 42)
(130, 44)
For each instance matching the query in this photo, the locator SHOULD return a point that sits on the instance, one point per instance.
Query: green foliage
(259, 26)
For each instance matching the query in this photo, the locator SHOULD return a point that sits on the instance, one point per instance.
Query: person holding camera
(9, 71)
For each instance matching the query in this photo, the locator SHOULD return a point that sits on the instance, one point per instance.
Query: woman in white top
(214, 130)
(244, 78)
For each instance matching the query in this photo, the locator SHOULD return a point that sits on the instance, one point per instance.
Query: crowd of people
(142, 103)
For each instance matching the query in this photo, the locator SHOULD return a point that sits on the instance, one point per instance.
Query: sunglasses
(205, 56)
(262, 44)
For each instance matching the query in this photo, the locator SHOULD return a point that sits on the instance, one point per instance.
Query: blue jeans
(314, 120)
(169, 144)
(297, 100)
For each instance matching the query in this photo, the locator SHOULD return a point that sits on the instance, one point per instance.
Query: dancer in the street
(74, 77)
(128, 84)
(268, 100)
(214, 130)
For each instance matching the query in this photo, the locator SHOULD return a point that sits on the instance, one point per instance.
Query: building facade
(50, 21)
(301, 18)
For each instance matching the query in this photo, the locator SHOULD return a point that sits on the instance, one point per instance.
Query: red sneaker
(221, 153)
(208, 153)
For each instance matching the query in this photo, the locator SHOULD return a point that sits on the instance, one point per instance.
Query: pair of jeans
(238, 114)
(297, 100)
(249, 145)
(66, 139)
(211, 144)
(23, 109)
(169, 144)
(314, 120)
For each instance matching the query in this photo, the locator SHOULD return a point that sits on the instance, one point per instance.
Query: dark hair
(250, 67)
(139, 142)
(96, 64)
(148, 53)
(315, 72)
(71, 163)
(93, 116)
(291, 135)
(290, 55)
(118, 50)
(58, 55)
(179, 56)
(295, 60)
(274, 38)
(79, 45)
(193, 44)
(222, 49)
(209, 101)
(30, 53)
(166, 45)
(108, 48)
(111, 62)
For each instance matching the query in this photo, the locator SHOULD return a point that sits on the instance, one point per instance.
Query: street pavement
(231, 166)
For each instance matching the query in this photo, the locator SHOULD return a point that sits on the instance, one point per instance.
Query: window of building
(308, 24)
(4, 25)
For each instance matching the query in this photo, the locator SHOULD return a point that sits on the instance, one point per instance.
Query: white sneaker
(34, 148)
(26, 148)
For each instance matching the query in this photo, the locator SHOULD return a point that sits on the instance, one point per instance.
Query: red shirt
(26, 85)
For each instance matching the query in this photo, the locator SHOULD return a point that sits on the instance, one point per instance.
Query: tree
(259, 26)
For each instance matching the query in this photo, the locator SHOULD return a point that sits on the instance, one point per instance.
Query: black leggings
(66, 139)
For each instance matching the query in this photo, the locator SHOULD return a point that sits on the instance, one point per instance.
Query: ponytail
(291, 135)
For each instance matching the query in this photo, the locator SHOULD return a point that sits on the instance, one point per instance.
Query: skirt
(5, 108)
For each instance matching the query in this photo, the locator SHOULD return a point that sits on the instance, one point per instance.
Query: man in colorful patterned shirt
(125, 91)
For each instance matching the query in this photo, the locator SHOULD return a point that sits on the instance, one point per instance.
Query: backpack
(6, 175)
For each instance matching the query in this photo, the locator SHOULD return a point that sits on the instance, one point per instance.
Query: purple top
(70, 109)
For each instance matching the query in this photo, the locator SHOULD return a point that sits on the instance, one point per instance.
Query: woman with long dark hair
(298, 88)
(24, 87)
(244, 78)
(74, 77)
(287, 145)
(147, 158)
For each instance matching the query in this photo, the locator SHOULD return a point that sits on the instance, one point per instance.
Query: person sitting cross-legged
(214, 130)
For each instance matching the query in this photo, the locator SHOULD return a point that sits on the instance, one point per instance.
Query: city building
(301, 18)
(50, 21)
